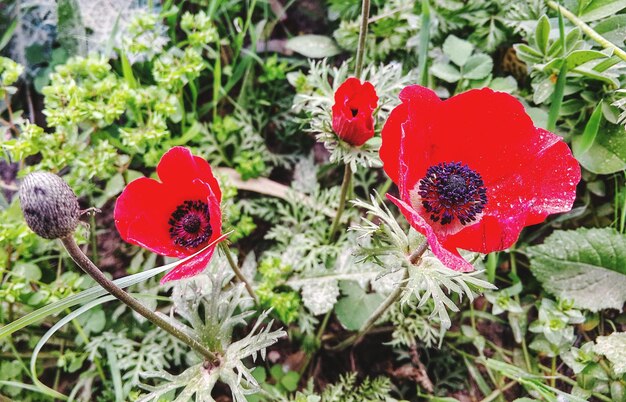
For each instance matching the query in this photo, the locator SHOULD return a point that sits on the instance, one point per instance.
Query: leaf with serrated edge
(614, 348)
(587, 266)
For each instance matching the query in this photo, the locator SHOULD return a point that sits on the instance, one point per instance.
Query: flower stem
(424, 41)
(238, 272)
(414, 258)
(360, 52)
(345, 185)
(90, 269)
(602, 41)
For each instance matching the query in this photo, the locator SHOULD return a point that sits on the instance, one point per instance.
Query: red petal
(449, 256)
(143, 210)
(179, 165)
(554, 177)
(141, 215)
(503, 219)
(191, 267)
(488, 131)
(406, 136)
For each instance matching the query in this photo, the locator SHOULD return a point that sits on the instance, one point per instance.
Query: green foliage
(586, 266)
(286, 304)
(10, 72)
(230, 81)
(348, 390)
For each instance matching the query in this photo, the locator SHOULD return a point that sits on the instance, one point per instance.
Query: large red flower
(352, 112)
(473, 170)
(177, 216)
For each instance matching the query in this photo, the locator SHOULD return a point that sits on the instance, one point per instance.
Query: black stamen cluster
(452, 190)
(190, 224)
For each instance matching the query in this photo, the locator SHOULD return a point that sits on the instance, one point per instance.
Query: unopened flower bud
(49, 205)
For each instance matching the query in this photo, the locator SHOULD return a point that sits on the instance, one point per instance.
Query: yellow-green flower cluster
(199, 29)
(84, 90)
(10, 71)
(176, 68)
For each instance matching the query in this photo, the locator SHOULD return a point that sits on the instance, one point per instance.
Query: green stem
(553, 372)
(529, 366)
(345, 185)
(360, 52)
(318, 342)
(497, 392)
(238, 273)
(557, 98)
(414, 258)
(90, 269)
(424, 40)
(588, 30)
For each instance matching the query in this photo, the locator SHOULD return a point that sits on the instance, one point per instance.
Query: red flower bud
(352, 112)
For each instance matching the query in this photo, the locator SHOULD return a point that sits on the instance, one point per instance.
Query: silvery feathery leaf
(223, 309)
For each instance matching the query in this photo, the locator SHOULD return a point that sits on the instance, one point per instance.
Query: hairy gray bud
(49, 205)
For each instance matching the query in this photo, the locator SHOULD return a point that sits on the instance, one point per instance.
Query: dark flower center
(190, 224)
(451, 190)
(354, 112)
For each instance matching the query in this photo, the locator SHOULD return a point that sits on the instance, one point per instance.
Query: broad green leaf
(27, 270)
(606, 64)
(598, 9)
(114, 186)
(506, 84)
(313, 46)
(543, 91)
(446, 72)
(613, 29)
(478, 67)
(356, 306)
(591, 131)
(614, 348)
(572, 106)
(607, 154)
(542, 33)
(290, 381)
(527, 53)
(598, 76)
(579, 57)
(586, 266)
(458, 50)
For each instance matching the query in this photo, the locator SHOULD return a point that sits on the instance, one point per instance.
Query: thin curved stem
(414, 258)
(238, 273)
(602, 41)
(92, 270)
(345, 185)
(360, 52)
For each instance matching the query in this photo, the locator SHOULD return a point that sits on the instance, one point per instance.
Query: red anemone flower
(473, 170)
(352, 112)
(177, 216)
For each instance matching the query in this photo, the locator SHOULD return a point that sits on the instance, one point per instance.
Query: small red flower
(177, 216)
(352, 112)
(473, 171)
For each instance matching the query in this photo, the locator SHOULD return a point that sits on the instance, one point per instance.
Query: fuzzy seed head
(49, 205)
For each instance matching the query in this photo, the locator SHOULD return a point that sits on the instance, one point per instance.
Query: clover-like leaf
(458, 50)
